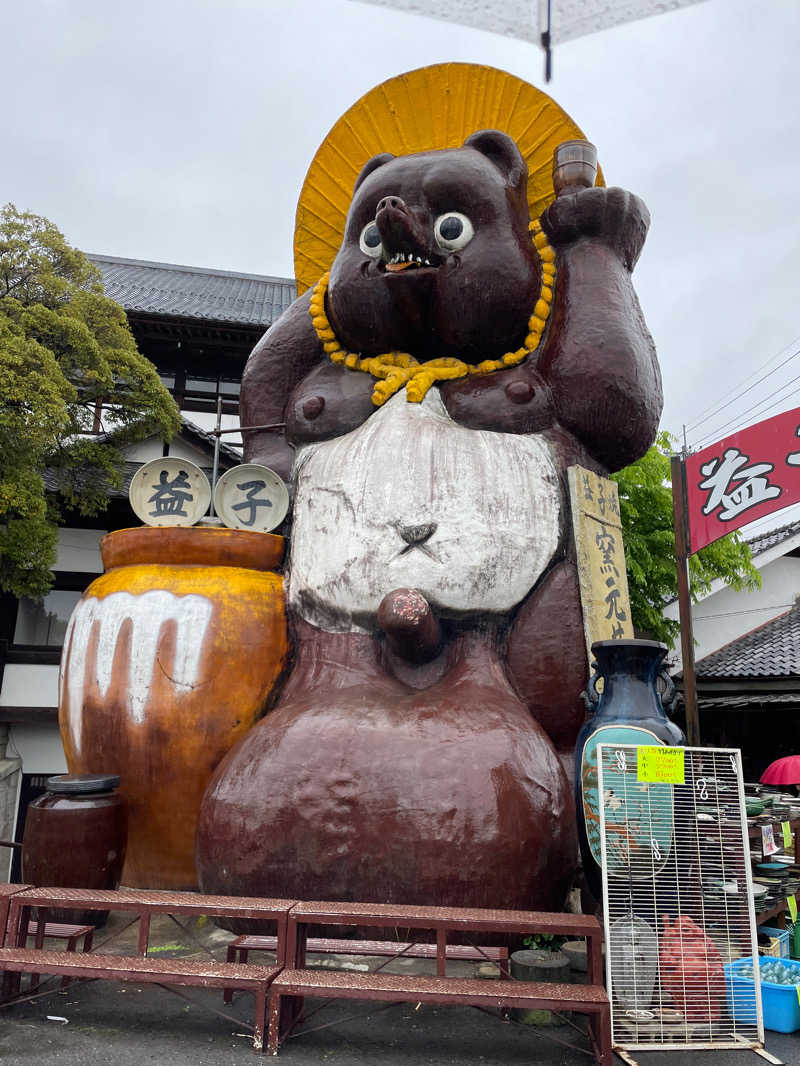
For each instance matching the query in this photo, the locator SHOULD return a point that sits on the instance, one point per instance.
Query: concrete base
(537, 965)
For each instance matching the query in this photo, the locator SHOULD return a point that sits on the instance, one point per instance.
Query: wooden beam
(29, 714)
(681, 519)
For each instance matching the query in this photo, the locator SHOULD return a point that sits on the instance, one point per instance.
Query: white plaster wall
(79, 549)
(727, 615)
(153, 448)
(10, 782)
(39, 747)
(179, 449)
(206, 420)
(145, 450)
(29, 686)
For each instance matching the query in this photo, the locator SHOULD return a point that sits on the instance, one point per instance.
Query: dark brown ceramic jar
(75, 836)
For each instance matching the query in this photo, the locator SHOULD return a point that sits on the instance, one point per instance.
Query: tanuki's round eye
(370, 240)
(453, 231)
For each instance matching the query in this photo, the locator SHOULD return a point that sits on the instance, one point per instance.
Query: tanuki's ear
(503, 152)
(370, 165)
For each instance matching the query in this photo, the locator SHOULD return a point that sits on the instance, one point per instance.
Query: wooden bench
(239, 951)
(202, 973)
(394, 988)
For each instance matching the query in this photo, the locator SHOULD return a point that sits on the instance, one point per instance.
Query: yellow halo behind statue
(433, 107)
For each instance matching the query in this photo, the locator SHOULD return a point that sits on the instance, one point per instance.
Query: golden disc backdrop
(430, 108)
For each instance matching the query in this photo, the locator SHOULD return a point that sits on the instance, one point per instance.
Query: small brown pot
(75, 836)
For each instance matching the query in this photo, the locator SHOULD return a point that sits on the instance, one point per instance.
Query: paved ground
(130, 1025)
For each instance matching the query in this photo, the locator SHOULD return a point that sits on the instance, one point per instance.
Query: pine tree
(64, 347)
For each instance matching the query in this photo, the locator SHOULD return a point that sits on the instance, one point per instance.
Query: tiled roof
(228, 457)
(765, 541)
(752, 701)
(128, 470)
(51, 480)
(770, 650)
(195, 292)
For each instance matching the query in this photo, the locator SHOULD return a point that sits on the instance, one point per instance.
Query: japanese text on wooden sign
(660, 764)
(743, 477)
(600, 556)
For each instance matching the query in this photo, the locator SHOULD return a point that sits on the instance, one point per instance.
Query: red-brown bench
(394, 988)
(199, 973)
(462, 922)
(239, 951)
(6, 893)
(142, 903)
(60, 931)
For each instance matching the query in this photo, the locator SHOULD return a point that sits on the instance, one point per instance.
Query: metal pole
(241, 429)
(546, 41)
(681, 519)
(215, 469)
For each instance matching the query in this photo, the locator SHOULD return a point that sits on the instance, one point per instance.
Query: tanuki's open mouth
(407, 261)
(407, 239)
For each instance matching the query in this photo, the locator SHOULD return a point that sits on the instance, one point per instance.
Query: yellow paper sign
(786, 829)
(792, 901)
(663, 765)
(797, 990)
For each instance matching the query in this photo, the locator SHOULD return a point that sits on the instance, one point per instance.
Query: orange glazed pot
(169, 658)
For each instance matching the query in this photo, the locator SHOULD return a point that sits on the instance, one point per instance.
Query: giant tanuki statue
(435, 386)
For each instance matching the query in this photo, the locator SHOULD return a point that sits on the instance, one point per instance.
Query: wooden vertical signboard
(600, 557)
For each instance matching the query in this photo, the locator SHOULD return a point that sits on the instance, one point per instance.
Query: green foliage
(544, 941)
(645, 497)
(64, 347)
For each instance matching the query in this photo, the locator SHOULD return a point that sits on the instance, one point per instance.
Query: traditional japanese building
(748, 693)
(748, 655)
(198, 327)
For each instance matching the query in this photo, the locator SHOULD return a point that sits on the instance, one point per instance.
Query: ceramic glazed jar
(75, 837)
(628, 711)
(169, 658)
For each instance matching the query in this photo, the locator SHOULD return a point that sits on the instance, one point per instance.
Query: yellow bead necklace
(398, 369)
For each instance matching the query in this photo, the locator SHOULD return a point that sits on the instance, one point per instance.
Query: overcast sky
(182, 131)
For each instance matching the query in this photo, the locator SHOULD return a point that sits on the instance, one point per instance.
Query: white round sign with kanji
(251, 496)
(169, 492)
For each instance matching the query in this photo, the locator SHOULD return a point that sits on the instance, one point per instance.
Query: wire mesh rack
(678, 899)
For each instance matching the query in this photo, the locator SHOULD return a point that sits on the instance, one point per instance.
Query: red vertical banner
(743, 477)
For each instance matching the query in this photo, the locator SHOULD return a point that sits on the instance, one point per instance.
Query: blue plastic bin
(781, 949)
(780, 1002)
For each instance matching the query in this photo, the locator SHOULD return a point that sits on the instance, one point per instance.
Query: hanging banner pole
(680, 512)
